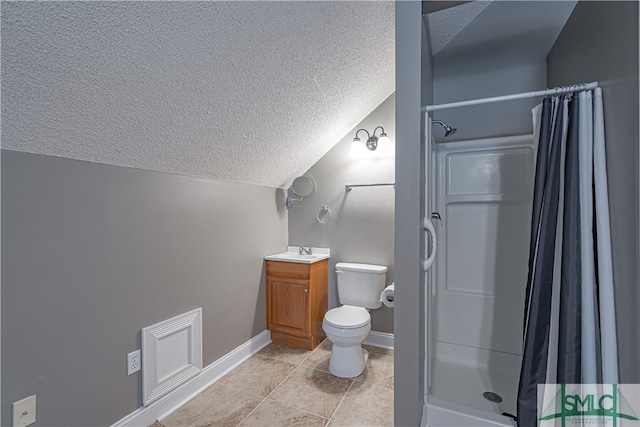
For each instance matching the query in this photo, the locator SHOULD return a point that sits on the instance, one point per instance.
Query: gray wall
(92, 253)
(411, 94)
(600, 42)
(361, 226)
(464, 77)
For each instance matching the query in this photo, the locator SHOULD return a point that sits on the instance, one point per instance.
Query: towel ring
(324, 215)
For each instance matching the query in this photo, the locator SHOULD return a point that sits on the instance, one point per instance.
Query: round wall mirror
(302, 186)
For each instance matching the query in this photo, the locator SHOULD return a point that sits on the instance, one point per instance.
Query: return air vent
(172, 352)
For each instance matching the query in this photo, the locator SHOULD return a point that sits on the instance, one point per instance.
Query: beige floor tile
(369, 348)
(379, 370)
(219, 405)
(309, 395)
(365, 404)
(285, 353)
(319, 358)
(325, 346)
(380, 350)
(312, 391)
(272, 413)
(258, 375)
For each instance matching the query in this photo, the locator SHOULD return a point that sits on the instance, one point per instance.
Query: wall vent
(172, 354)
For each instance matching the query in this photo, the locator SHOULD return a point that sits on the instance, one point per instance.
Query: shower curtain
(569, 330)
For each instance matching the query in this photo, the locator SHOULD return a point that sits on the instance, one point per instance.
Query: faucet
(305, 251)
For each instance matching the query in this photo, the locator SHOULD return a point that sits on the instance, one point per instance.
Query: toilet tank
(360, 284)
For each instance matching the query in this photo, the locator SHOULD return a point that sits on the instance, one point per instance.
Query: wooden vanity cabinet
(297, 302)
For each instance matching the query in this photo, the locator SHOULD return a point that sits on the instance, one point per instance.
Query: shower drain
(491, 396)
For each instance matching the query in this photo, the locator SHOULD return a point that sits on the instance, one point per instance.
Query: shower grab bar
(348, 187)
(430, 229)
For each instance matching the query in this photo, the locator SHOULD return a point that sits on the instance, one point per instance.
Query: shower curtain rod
(544, 92)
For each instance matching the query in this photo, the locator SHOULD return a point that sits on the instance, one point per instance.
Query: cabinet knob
(306, 290)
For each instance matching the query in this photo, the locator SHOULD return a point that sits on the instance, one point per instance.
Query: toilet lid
(347, 316)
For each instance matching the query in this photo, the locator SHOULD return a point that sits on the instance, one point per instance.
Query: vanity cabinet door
(288, 306)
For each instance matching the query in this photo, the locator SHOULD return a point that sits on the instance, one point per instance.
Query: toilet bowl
(359, 287)
(346, 327)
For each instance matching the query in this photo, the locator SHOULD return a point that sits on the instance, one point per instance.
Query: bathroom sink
(295, 257)
(292, 255)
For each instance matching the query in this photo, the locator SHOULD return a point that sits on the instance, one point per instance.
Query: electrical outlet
(133, 362)
(24, 412)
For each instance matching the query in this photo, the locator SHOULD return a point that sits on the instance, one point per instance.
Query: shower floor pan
(440, 413)
(465, 375)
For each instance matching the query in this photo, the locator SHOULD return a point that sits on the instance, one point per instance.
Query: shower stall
(518, 245)
(479, 200)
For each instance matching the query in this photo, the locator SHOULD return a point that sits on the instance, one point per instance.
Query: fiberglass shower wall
(483, 194)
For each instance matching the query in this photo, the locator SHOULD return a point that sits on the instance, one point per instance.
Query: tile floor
(286, 386)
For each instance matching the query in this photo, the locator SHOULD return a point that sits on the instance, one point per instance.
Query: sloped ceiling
(490, 29)
(252, 92)
(445, 24)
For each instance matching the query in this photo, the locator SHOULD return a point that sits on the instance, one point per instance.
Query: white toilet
(359, 289)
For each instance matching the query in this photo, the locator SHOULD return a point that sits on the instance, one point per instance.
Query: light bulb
(384, 146)
(357, 148)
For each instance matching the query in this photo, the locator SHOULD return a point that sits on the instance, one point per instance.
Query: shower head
(448, 129)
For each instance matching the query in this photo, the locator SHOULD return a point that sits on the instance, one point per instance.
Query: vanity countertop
(293, 255)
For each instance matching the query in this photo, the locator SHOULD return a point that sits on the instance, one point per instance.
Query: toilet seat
(347, 317)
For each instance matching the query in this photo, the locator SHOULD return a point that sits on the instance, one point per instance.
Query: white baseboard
(165, 405)
(379, 339)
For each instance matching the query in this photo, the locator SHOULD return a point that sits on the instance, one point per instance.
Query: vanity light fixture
(372, 143)
(373, 140)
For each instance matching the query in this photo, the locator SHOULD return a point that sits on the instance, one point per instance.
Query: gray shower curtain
(569, 294)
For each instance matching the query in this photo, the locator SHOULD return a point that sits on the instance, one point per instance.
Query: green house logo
(574, 406)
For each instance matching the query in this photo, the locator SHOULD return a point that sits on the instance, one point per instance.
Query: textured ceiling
(252, 92)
